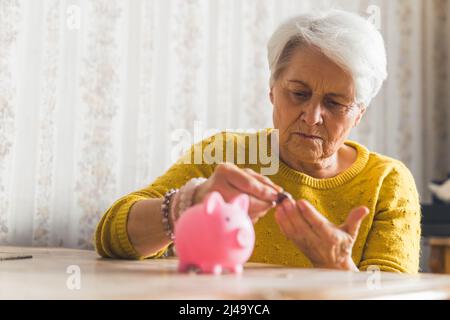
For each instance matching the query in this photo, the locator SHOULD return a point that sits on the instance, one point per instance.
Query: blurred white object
(441, 191)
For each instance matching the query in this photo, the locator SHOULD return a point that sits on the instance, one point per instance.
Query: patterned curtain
(92, 91)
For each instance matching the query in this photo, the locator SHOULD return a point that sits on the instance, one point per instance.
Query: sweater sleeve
(111, 238)
(393, 242)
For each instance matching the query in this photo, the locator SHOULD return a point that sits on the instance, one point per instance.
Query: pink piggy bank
(215, 235)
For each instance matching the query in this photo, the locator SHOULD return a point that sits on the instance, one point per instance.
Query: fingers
(325, 244)
(247, 183)
(283, 222)
(256, 205)
(258, 208)
(354, 219)
(263, 179)
(301, 227)
(319, 224)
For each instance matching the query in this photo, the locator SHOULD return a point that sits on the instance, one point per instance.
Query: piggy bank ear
(212, 201)
(242, 201)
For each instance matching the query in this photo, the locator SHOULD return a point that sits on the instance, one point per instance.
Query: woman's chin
(306, 152)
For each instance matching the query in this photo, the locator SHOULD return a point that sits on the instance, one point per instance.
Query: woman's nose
(312, 113)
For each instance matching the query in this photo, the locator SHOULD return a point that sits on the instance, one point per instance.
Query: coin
(281, 196)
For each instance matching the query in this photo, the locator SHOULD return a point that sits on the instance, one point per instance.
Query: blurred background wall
(91, 91)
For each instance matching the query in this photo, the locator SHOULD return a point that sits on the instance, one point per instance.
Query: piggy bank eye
(227, 219)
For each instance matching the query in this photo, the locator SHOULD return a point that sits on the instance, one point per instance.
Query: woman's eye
(300, 94)
(334, 103)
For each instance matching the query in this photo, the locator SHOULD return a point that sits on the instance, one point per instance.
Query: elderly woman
(350, 209)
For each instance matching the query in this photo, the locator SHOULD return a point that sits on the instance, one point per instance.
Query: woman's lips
(308, 137)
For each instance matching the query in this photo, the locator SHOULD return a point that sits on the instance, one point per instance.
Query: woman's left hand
(325, 244)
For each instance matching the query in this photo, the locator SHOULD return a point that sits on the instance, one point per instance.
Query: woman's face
(314, 109)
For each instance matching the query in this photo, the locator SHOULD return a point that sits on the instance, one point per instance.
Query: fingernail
(287, 205)
(301, 205)
(280, 210)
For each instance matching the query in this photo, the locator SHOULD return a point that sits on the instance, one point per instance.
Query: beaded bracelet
(174, 206)
(165, 211)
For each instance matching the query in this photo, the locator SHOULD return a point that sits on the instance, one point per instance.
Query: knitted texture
(389, 238)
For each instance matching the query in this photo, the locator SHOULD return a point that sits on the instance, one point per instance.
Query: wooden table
(51, 273)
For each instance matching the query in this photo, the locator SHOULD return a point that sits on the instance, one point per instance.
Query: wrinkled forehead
(310, 67)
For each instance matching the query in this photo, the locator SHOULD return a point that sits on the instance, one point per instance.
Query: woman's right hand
(230, 181)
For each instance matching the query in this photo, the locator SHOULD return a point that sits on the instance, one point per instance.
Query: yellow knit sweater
(389, 238)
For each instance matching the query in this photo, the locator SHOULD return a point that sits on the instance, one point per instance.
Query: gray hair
(346, 38)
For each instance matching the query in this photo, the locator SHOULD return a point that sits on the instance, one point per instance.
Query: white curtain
(91, 91)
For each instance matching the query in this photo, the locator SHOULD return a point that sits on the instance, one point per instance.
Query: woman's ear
(362, 110)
